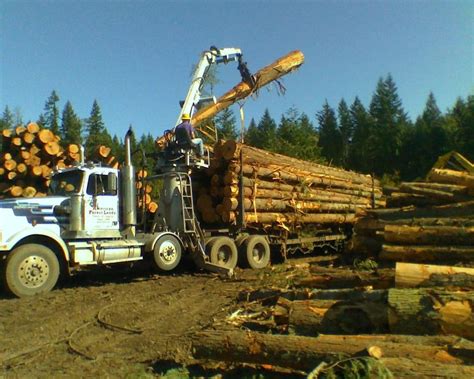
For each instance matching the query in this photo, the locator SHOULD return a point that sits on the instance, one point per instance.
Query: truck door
(101, 205)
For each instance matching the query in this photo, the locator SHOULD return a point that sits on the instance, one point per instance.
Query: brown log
(462, 209)
(305, 353)
(242, 90)
(16, 191)
(311, 317)
(103, 151)
(427, 253)
(152, 207)
(409, 275)
(33, 128)
(430, 311)
(329, 278)
(28, 138)
(19, 130)
(10, 164)
(7, 134)
(16, 142)
(291, 218)
(451, 177)
(401, 199)
(21, 168)
(73, 148)
(429, 235)
(36, 170)
(441, 190)
(2, 171)
(52, 148)
(25, 154)
(12, 175)
(29, 192)
(45, 136)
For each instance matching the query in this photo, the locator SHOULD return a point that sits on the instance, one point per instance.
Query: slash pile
(279, 189)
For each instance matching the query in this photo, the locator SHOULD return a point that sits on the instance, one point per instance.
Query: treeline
(378, 139)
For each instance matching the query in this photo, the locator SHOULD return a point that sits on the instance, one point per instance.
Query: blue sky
(135, 57)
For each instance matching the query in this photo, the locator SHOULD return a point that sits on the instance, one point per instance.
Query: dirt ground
(118, 322)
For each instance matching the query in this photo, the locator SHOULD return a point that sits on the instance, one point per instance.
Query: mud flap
(206, 265)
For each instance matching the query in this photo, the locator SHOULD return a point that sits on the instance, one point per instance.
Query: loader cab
(180, 151)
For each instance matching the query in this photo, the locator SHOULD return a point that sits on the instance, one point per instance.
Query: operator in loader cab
(188, 137)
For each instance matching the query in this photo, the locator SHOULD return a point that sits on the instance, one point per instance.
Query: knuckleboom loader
(89, 217)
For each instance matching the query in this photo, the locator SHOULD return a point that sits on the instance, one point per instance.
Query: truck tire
(31, 269)
(256, 251)
(167, 252)
(223, 252)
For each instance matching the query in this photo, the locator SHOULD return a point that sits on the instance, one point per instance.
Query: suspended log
(305, 353)
(242, 90)
(430, 311)
(409, 275)
(427, 253)
(429, 235)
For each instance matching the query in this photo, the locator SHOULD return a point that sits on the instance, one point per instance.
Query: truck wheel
(167, 253)
(256, 250)
(31, 269)
(223, 252)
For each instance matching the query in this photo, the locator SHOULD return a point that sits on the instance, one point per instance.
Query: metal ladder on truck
(192, 228)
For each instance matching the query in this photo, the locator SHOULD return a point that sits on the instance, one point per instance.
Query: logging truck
(90, 217)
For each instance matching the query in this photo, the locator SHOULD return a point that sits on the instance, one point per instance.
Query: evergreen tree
(8, 120)
(424, 143)
(346, 131)
(97, 134)
(460, 123)
(264, 135)
(71, 126)
(297, 137)
(51, 113)
(117, 148)
(359, 148)
(252, 133)
(225, 123)
(389, 119)
(330, 140)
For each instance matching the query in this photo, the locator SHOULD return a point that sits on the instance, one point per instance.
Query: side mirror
(112, 183)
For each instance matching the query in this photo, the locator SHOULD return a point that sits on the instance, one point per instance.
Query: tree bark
(451, 177)
(431, 311)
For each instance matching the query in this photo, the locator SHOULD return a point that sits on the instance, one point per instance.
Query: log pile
(426, 314)
(433, 221)
(30, 154)
(280, 190)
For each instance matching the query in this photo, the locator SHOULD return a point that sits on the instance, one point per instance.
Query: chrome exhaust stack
(129, 198)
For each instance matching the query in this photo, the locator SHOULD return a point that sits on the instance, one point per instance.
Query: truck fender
(39, 232)
(151, 241)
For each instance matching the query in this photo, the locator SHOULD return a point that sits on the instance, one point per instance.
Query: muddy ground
(120, 322)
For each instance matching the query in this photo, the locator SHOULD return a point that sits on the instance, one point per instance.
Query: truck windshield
(66, 183)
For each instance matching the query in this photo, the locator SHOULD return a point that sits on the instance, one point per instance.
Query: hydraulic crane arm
(208, 58)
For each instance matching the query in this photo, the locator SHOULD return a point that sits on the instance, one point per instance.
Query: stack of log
(282, 190)
(29, 156)
(424, 315)
(434, 221)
